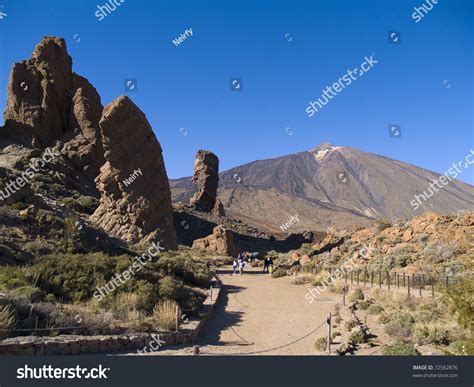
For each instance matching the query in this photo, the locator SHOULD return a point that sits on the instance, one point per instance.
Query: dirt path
(257, 313)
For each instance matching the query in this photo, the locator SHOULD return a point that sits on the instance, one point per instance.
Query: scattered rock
(221, 241)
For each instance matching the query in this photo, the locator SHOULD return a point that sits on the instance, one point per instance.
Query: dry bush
(7, 320)
(164, 314)
(321, 344)
(301, 280)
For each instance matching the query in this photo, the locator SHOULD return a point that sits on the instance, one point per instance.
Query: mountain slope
(328, 186)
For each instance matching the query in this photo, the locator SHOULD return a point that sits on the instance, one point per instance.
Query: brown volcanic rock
(138, 209)
(39, 94)
(206, 177)
(85, 148)
(221, 241)
(47, 102)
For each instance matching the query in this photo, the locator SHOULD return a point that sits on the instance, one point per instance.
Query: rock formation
(206, 177)
(47, 102)
(221, 241)
(135, 202)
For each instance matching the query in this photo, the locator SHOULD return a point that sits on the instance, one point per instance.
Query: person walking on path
(265, 265)
(234, 266)
(270, 265)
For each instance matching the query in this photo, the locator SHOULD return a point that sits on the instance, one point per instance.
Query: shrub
(357, 294)
(336, 334)
(338, 319)
(431, 334)
(279, 273)
(170, 288)
(350, 324)
(31, 293)
(357, 337)
(427, 316)
(300, 280)
(363, 305)
(321, 344)
(400, 325)
(7, 320)
(400, 349)
(374, 309)
(381, 225)
(164, 314)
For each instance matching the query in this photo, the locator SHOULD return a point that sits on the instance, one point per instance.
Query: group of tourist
(243, 259)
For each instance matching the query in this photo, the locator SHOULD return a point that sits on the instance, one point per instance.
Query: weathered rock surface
(218, 209)
(206, 177)
(221, 241)
(135, 202)
(47, 102)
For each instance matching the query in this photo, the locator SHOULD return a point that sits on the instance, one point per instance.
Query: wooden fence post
(177, 318)
(358, 272)
(329, 331)
(380, 279)
(365, 277)
(432, 288)
(421, 284)
(372, 279)
(404, 282)
(388, 280)
(398, 281)
(408, 282)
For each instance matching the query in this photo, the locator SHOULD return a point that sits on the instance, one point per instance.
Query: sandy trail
(257, 313)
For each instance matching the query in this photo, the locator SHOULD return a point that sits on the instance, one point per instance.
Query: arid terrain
(96, 240)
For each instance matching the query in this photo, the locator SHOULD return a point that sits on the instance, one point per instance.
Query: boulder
(135, 203)
(206, 177)
(221, 241)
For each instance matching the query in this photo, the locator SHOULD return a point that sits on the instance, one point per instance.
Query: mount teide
(328, 186)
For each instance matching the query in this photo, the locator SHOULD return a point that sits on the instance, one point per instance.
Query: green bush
(400, 325)
(356, 295)
(357, 337)
(30, 293)
(279, 273)
(400, 349)
(321, 344)
(362, 305)
(350, 324)
(375, 309)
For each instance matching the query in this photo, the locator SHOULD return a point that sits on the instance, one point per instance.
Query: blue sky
(424, 84)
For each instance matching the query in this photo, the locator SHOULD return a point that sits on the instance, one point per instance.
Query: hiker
(254, 256)
(265, 265)
(234, 266)
(270, 265)
(241, 265)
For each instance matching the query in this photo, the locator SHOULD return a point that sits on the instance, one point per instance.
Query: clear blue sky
(188, 86)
